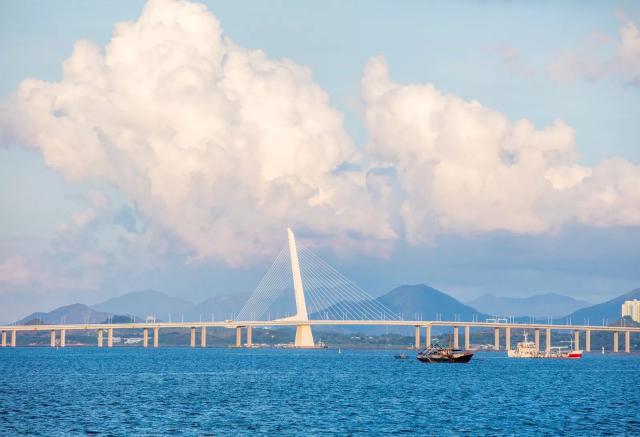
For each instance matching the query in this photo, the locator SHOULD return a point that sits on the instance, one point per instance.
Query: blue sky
(497, 53)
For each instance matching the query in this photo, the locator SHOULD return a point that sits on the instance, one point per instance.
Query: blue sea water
(179, 391)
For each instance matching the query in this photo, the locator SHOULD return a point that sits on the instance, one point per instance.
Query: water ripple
(130, 391)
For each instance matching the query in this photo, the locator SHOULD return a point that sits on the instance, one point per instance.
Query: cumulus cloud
(218, 144)
(463, 167)
(95, 245)
(217, 148)
(622, 59)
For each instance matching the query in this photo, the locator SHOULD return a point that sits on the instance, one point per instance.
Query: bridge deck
(276, 323)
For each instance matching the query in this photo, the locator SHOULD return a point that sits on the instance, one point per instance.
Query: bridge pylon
(304, 336)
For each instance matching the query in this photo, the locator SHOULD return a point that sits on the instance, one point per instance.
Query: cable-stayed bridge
(301, 290)
(319, 292)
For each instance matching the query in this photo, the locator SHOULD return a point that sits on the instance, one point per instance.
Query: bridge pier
(507, 338)
(627, 341)
(192, 341)
(145, 337)
(304, 336)
(53, 338)
(4, 338)
(615, 341)
(238, 336)
(587, 340)
(537, 339)
(110, 337)
(548, 339)
(100, 333)
(576, 339)
(63, 337)
(156, 337)
(456, 343)
(14, 339)
(417, 343)
(467, 337)
(496, 338)
(249, 336)
(203, 336)
(428, 336)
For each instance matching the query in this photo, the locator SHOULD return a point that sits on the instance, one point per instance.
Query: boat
(562, 352)
(527, 349)
(438, 354)
(524, 349)
(401, 356)
(321, 345)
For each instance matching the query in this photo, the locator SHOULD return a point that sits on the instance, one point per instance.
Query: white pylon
(304, 336)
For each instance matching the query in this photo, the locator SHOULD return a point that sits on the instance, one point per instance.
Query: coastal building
(631, 308)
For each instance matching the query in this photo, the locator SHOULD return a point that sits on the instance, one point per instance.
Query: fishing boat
(438, 354)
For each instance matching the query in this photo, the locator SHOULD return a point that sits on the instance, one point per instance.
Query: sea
(233, 392)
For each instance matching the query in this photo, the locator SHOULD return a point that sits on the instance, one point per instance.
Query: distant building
(631, 308)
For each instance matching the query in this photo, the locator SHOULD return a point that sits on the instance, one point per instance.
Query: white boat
(524, 349)
(562, 352)
(527, 349)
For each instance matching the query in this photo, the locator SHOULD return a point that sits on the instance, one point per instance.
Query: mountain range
(145, 303)
(140, 305)
(75, 313)
(608, 311)
(410, 301)
(428, 303)
(540, 305)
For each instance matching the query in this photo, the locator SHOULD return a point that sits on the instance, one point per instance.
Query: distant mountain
(145, 303)
(76, 313)
(427, 303)
(541, 305)
(142, 304)
(413, 302)
(221, 307)
(610, 310)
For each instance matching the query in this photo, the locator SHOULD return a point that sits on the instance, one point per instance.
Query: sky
(478, 147)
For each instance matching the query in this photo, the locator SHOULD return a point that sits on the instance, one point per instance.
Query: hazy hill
(76, 313)
(220, 307)
(541, 305)
(416, 302)
(610, 309)
(410, 301)
(144, 303)
(428, 302)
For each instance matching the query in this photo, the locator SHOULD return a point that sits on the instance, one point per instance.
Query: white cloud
(219, 148)
(622, 58)
(463, 167)
(95, 244)
(218, 144)
(627, 59)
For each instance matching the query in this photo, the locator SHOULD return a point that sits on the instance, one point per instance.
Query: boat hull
(575, 355)
(446, 358)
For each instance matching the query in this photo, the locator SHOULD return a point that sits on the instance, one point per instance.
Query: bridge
(322, 297)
